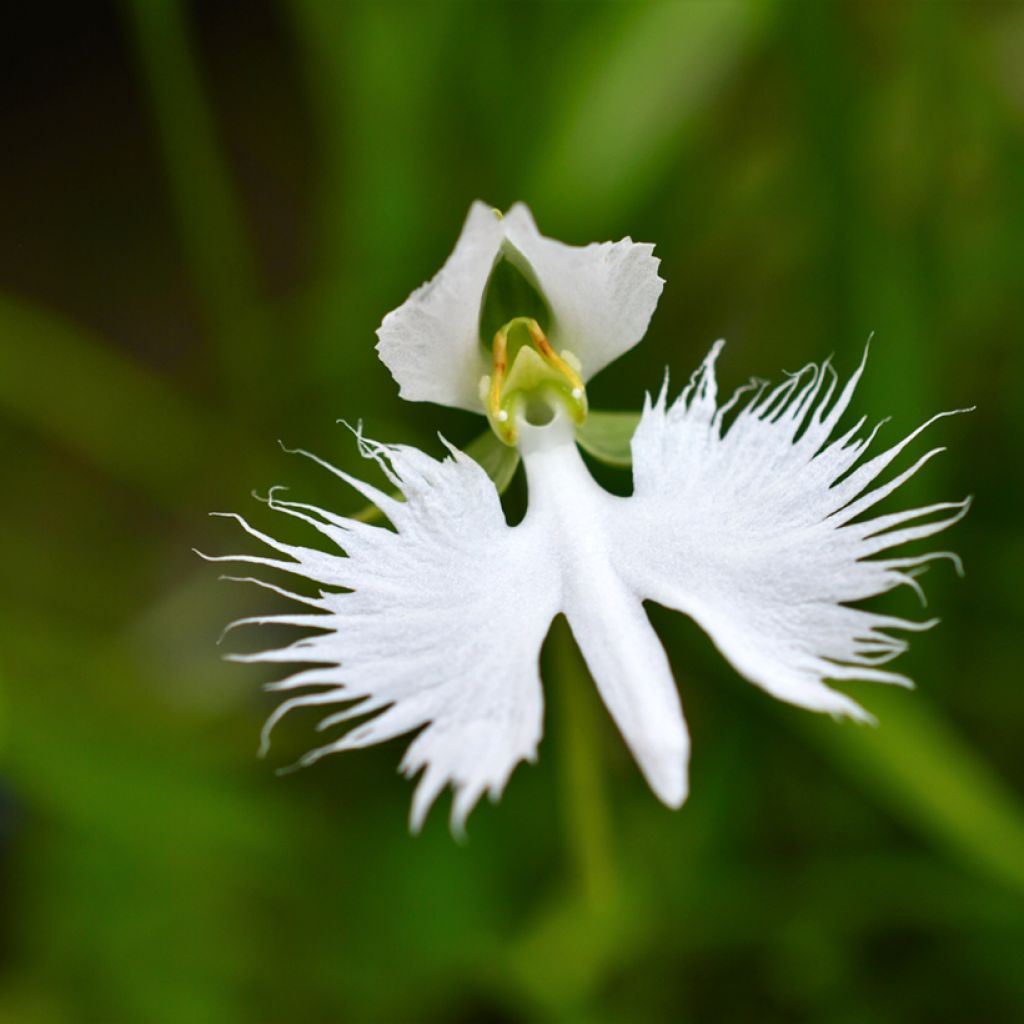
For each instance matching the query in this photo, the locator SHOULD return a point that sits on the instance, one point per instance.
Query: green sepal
(607, 436)
(497, 460)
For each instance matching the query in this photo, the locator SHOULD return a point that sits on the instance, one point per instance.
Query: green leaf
(607, 436)
(932, 779)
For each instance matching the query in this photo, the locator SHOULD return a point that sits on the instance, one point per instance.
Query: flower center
(529, 379)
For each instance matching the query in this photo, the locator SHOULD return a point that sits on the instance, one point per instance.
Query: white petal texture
(437, 626)
(602, 295)
(580, 525)
(601, 298)
(756, 531)
(755, 527)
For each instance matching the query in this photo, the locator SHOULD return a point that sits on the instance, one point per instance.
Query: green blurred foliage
(208, 209)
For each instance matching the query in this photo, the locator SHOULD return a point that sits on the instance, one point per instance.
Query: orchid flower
(750, 516)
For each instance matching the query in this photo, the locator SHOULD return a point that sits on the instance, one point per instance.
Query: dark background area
(205, 211)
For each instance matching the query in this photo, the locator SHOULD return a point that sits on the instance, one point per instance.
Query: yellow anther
(544, 347)
(499, 352)
(525, 367)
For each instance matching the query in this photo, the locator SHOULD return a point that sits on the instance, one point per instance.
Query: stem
(587, 821)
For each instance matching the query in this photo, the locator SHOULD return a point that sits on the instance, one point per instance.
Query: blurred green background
(206, 210)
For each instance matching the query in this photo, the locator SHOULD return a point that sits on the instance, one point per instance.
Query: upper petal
(438, 628)
(601, 295)
(601, 298)
(431, 343)
(754, 531)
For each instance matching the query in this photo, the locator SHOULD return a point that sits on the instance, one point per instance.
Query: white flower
(748, 516)
(601, 298)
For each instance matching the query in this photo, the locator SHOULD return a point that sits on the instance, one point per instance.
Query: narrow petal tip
(667, 776)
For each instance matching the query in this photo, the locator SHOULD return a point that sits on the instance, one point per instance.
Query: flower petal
(431, 343)
(601, 295)
(601, 298)
(438, 628)
(747, 528)
(632, 674)
(578, 521)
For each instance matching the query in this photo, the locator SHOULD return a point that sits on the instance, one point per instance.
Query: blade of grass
(64, 383)
(932, 779)
(369, 67)
(645, 80)
(216, 244)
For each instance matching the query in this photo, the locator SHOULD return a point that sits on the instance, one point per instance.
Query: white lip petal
(632, 674)
(578, 521)
(753, 528)
(747, 529)
(601, 298)
(439, 629)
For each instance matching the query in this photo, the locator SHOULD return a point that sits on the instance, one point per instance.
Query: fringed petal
(752, 528)
(435, 625)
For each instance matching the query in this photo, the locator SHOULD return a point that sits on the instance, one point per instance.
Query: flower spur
(747, 516)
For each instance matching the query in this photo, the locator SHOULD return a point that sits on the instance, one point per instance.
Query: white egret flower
(748, 516)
